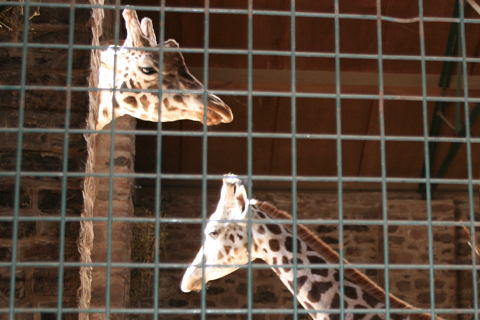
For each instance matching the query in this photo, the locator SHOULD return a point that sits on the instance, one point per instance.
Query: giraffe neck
(318, 288)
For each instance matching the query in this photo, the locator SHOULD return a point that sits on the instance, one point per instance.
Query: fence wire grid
(405, 216)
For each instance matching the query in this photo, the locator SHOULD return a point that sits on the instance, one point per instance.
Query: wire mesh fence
(359, 120)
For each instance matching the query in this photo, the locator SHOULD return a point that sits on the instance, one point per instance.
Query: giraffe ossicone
(133, 70)
(317, 283)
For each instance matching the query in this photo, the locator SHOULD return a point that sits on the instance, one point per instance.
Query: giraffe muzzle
(218, 112)
(191, 281)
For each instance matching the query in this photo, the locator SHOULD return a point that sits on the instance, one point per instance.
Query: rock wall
(363, 244)
(42, 154)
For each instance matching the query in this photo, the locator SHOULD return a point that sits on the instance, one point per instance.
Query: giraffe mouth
(193, 285)
(217, 111)
(214, 118)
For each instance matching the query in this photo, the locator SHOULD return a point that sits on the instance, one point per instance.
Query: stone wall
(362, 243)
(40, 196)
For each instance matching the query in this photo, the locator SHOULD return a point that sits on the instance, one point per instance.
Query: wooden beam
(324, 82)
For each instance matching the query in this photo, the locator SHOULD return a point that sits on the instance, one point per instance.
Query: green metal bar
(471, 202)
(199, 220)
(258, 94)
(18, 164)
(383, 164)
(238, 11)
(379, 266)
(219, 311)
(158, 170)
(235, 52)
(206, 42)
(306, 136)
(340, 178)
(452, 152)
(458, 107)
(259, 177)
(428, 190)
(111, 174)
(293, 108)
(249, 155)
(66, 140)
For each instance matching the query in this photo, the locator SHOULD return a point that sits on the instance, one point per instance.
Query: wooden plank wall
(402, 78)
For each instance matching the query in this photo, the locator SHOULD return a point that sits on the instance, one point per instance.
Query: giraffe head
(134, 68)
(225, 241)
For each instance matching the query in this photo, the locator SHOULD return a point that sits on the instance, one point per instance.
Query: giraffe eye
(213, 234)
(148, 71)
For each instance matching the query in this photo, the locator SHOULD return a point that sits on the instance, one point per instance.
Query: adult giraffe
(318, 287)
(136, 80)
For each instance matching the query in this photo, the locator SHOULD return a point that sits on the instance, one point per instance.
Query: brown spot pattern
(178, 98)
(285, 261)
(232, 237)
(321, 272)
(261, 214)
(166, 103)
(274, 245)
(220, 255)
(145, 102)
(289, 244)
(397, 316)
(300, 282)
(261, 230)
(227, 249)
(105, 113)
(315, 260)
(369, 299)
(274, 262)
(131, 101)
(318, 288)
(123, 86)
(274, 228)
(336, 276)
(335, 301)
(350, 292)
(359, 316)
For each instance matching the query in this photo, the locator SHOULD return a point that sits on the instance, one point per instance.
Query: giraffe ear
(135, 35)
(241, 198)
(147, 30)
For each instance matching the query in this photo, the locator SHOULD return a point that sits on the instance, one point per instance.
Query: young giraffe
(317, 288)
(139, 69)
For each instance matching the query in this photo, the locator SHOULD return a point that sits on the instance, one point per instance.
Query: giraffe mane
(332, 256)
